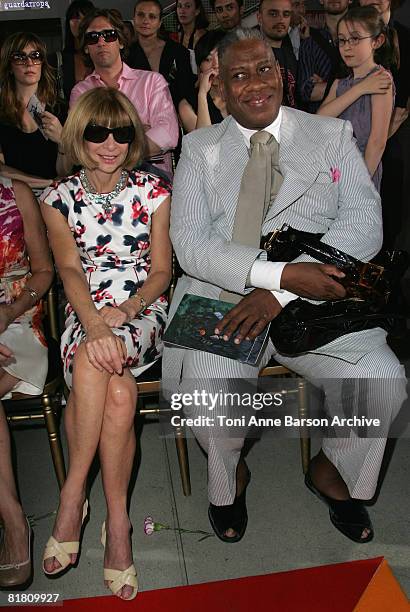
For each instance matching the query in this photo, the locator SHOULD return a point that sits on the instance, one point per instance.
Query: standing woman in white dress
(26, 272)
(108, 228)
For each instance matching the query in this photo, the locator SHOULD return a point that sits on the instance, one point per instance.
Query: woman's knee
(121, 399)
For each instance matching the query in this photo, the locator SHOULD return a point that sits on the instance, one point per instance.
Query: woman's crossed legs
(99, 415)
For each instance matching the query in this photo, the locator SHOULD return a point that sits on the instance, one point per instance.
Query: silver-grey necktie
(261, 181)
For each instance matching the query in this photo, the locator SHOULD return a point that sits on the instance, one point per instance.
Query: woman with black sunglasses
(31, 116)
(108, 229)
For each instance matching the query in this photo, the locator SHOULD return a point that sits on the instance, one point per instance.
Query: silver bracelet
(33, 293)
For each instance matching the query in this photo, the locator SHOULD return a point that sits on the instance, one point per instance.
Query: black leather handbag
(371, 290)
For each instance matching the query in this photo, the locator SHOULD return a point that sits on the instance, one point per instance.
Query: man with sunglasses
(103, 41)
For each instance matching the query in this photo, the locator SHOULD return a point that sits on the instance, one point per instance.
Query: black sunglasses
(92, 38)
(98, 133)
(20, 58)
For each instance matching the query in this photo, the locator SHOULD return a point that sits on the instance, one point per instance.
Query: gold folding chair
(275, 369)
(149, 384)
(23, 409)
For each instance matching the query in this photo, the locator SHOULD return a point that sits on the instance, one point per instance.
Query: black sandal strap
(349, 516)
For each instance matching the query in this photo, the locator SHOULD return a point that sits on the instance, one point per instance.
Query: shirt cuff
(266, 274)
(284, 297)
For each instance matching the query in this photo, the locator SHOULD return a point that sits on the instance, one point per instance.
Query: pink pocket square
(335, 173)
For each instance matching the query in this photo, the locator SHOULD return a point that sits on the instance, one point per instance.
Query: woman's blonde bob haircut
(108, 107)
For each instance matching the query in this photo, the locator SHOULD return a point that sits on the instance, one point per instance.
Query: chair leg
(182, 451)
(304, 437)
(54, 439)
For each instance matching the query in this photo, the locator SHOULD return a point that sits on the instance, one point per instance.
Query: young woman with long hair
(151, 51)
(29, 143)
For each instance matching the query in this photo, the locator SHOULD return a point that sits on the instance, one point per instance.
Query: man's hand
(250, 316)
(315, 78)
(313, 281)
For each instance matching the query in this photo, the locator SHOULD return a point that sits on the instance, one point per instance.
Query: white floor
(288, 527)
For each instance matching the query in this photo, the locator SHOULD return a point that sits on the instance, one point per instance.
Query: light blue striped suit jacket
(206, 186)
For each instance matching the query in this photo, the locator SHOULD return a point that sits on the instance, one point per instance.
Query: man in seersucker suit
(326, 189)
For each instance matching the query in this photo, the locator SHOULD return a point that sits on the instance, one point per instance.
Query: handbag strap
(60, 75)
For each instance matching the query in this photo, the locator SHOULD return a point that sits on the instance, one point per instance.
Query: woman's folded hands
(105, 350)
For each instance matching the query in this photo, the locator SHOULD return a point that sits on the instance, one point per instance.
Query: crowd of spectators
(311, 60)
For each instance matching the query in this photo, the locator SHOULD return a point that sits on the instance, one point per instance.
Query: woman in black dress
(151, 52)
(192, 24)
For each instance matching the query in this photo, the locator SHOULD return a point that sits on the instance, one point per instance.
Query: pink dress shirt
(149, 92)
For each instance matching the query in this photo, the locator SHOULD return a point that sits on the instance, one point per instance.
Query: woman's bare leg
(117, 450)
(14, 547)
(83, 421)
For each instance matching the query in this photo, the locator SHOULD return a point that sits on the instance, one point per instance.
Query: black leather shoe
(349, 516)
(234, 516)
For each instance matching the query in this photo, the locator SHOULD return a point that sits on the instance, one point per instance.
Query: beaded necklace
(103, 199)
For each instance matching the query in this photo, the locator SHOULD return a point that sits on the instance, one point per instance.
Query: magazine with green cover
(193, 327)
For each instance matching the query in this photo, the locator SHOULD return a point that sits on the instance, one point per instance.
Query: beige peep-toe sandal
(120, 578)
(62, 550)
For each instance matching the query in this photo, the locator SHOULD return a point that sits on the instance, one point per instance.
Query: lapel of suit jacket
(231, 161)
(299, 162)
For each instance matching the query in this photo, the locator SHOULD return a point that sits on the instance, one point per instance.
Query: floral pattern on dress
(114, 249)
(14, 264)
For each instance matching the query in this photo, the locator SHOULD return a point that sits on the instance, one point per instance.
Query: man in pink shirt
(102, 40)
